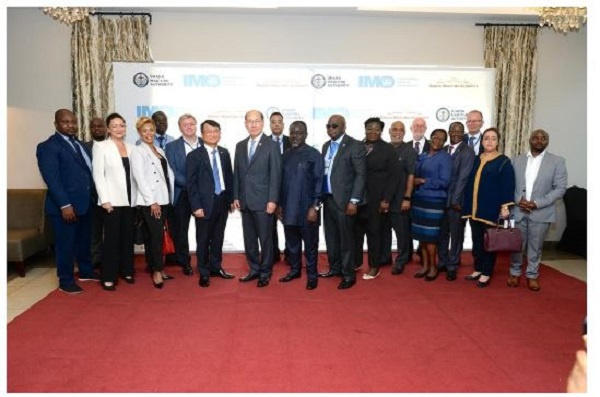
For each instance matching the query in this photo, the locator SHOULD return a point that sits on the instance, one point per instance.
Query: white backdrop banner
(224, 92)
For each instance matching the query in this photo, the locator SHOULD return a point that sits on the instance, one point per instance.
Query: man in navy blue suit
(210, 191)
(66, 167)
(301, 190)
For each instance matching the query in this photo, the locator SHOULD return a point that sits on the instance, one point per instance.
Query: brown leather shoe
(513, 281)
(533, 284)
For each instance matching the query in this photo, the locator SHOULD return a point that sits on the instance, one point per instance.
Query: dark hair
(113, 116)
(375, 120)
(456, 123)
(212, 123)
(440, 130)
(275, 114)
(300, 122)
(494, 129)
(158, 113)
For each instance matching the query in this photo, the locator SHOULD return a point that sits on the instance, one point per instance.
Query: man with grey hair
(418, 128)
(541, 179)
(473, 136)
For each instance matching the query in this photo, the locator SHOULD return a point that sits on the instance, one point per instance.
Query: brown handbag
(500, 239)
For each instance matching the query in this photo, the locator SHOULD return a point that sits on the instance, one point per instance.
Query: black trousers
(97, 233)
(401, 226)
(373, 225)
(258, 228)
(153, 237)
(180, 228)
(294, 236)
(210, 234)
(484, 261)
(339, 238)
(118, 243)
(452, 235)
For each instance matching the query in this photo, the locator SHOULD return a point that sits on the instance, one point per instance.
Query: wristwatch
(354, 201)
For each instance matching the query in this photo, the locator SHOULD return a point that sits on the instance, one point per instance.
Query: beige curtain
(512, 50)
(95, 43)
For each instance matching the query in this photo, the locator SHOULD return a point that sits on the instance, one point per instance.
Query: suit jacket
(176, 156)
(109, 174)
(257, 182)
(549, 186)
(200, 180)
(425, 146)
(462, 162)
(90, 145)
(466, 140)
(68, 178)
(348, 172)
(286, 142)
(150, 178)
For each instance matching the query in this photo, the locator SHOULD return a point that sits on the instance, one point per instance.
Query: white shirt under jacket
(109, 174)
(150, 177)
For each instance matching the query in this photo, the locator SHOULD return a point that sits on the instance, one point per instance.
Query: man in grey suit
(256, 183)
(343, 186)
(453, 226)
(541, 179)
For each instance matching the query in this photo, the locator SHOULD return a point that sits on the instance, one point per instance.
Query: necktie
(417, 144)
(471, 141)
(77, 149)
(215, 169)
(252, 148)
(279, 144)
(161, 141)
(452, 149)
(332, 151)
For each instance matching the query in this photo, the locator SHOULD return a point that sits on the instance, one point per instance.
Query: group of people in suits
(421, 189)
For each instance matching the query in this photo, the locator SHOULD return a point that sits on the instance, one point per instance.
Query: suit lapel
(71, 150)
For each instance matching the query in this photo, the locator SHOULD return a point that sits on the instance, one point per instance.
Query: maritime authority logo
(141, 79)
(442, 115)
(318, 81)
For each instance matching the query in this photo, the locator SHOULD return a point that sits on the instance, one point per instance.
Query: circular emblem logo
(141, 79)
(318, 81)
(442, 115)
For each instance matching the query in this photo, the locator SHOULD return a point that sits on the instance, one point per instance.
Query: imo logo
(376, 81)
(201, 80)
(141, 79)
(318, 81)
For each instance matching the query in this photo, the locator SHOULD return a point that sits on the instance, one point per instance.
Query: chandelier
(563, 19)
(68, 15)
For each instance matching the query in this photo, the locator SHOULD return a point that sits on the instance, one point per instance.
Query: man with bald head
(256, 183)
(473, 136)
(418, 129)
(66, 167)
(344, 188)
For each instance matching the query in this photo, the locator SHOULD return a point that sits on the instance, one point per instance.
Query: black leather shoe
(451, 275)
(420, 274)
(397, 270)
(109, 287)
(187, 270)
(262, 282)
(330, 274)
(442, 269)
(289, 277)
(129, 279)
(249, 277)
(167, 277)
(158, 285)
(431, 278)
(223, 274)
(345, 284)
(204, 282)
(311, 284)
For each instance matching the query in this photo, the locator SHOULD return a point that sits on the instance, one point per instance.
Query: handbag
(168, 246)
(501, 239)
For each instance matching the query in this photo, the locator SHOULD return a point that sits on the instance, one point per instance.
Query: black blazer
(286, 142)
(425, 146)
(383, 174)
(200, 181)
(462, 162)
(257, 182)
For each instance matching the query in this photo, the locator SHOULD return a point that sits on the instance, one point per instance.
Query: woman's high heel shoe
(160, 284)
(420, 274)
(431, 278)
(483, 284)
(472, 277)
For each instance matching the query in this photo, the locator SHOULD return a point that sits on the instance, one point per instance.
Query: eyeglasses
(334, 126)
(474, 121)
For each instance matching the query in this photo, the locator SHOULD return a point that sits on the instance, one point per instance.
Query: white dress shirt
(209, 150)
(531, 172)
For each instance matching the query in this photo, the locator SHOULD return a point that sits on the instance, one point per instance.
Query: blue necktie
(279, 141)
(332, 151)
(252, 148)
(161, 141)
(77, 149)
(215, 169)
(472, 141)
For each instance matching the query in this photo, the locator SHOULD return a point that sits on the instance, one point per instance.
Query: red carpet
(392, 334)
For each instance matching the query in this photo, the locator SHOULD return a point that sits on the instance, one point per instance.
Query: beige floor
(41, 279)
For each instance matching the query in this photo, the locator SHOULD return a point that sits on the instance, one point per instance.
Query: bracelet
(407, 198)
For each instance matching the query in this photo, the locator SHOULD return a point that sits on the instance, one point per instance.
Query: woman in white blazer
(155, 182)
(116, 194)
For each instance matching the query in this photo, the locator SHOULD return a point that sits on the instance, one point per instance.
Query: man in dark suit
(256, 184)
(276, 125)
(98, 132)
(419, 143)
(473, 136)
(300, 203)
(343, 186)
(66, 167)
(177, 152)
(210, 190)
(382, 179)
(453, 226)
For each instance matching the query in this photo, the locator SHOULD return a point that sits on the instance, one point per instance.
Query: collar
(540, 156)
(339, 140)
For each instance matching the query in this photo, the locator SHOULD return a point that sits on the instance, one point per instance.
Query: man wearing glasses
(343, 187)
(473, 137)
